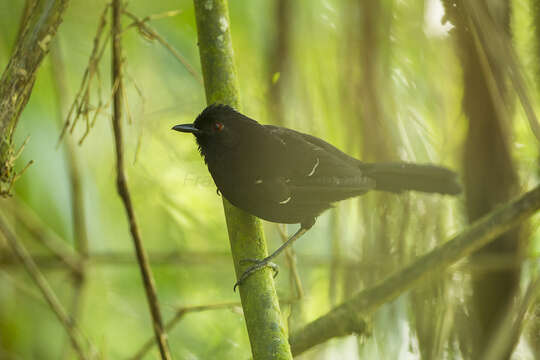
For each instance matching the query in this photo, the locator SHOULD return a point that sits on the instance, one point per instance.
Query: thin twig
(294, 318)
(22, 287)
(126, 102)
(180, 313)
(98, 112)
(139, 92)
(22, 254)
(52, 242)
(81, 103)
(122, 185)
(77, 199)
(335, 258)
(163, 15)
(153, 34)
(290, 256)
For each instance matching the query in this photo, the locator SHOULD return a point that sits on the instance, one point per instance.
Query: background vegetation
(382, 80)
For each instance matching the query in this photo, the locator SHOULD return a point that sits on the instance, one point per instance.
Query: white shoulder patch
(286, 200)
(314, 168)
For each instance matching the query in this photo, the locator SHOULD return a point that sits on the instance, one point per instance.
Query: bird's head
(218, 126)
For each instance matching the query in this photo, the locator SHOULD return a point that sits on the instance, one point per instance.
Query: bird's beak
(187, 128)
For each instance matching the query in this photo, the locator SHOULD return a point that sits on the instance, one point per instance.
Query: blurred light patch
(432, 20)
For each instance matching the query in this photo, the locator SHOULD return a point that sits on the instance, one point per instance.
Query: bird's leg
(266, 262)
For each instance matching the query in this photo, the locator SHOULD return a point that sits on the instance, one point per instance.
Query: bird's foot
(257, 265)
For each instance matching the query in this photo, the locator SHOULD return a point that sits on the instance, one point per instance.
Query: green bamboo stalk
(260, 304)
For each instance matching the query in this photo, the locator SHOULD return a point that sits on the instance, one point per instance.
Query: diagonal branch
(18, 78)
(183, 311)
(122, 186)
(25, 216)
(22, 254)
(348, 317)
(180, 313)
(152, 34)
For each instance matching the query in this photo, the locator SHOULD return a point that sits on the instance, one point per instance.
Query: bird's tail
(400, 176)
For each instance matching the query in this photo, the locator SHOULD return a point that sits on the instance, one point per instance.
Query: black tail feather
(400, 176)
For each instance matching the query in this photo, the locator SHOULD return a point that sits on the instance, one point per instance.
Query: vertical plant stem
(487, 104)
(77, 201)
(264, 323)
(122, 186)
(534, 329)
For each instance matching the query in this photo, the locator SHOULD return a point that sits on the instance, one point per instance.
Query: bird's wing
(315, 141)
(318, 167)
(289, 178)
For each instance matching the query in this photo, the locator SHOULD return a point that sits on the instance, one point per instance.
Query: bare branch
(348, 317)
(81, 105)
(122, 185)
(291, 263)
(180, 313)
(40, 232)
(22, 254)
(152, 34)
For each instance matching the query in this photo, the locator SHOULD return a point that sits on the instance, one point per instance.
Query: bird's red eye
(218, 126)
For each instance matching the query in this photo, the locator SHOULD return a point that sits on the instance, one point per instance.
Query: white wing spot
(258, 181)
(285, 201)
(314, 168)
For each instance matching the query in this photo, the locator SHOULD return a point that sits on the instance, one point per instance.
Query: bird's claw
(257, 265)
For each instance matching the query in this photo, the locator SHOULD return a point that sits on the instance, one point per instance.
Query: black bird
(285, 176)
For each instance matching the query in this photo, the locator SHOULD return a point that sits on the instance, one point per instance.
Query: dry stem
(122, 185)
